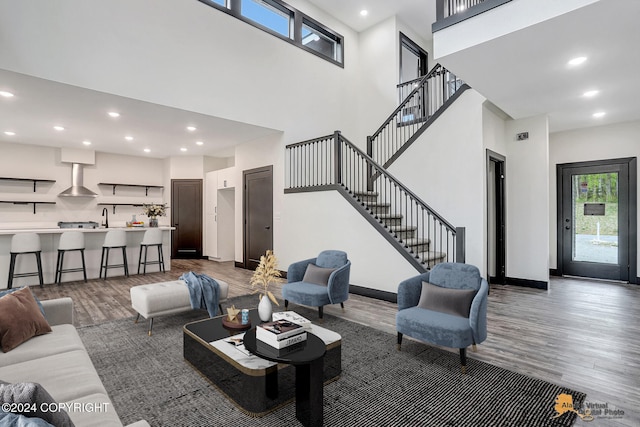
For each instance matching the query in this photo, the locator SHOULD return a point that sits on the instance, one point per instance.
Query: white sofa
(60, 363)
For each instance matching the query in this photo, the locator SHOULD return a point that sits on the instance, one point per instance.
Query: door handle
(267, 227)
(567, 227)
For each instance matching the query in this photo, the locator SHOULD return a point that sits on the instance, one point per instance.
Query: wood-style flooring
(582, 334)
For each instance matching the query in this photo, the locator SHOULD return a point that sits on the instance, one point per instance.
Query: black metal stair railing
(427, 99)
(333, 163)
(451, 12)
(453, 7)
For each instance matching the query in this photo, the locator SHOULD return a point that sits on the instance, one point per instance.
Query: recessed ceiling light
(85, 142)
(6, 94)
(191, 128)
(578, 60)
(146, 150)
(199, 143)
(8, 132)
(599, 114)
(113, 114)
(183, 149)
(364, 12)
(58, 128)
(590, 93)
(128, 138)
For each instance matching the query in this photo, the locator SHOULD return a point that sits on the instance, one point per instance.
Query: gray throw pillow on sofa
(446, 300)
(317, 275)
(36, 394)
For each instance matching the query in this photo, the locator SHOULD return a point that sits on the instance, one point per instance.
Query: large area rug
(147, 378)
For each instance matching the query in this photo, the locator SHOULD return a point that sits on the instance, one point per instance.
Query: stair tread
(388, 216)
(402, 228)
(416, 241)
(432, 255)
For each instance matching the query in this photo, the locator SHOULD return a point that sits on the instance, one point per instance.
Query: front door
(594, 219)
(186, 217)
(258, 214)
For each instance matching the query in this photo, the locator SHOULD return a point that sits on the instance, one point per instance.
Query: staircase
(406, 235)
(332, 162)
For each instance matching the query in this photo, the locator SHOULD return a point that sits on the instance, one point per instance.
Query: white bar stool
(114, 239)
(152, 237)
(25, 243)
(70, 241)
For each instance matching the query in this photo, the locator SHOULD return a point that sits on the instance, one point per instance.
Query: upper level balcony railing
(449, 12)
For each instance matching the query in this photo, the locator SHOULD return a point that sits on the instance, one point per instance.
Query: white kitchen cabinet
(226, 178)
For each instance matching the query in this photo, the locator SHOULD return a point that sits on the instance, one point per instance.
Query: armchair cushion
(306, 294)
(317, 275)
(456, 302)
(435, 327)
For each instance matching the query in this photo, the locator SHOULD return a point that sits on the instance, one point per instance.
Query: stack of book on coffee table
(293, 317)
(281, 335)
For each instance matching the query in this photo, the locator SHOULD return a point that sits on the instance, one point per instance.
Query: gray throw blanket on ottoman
(204, 292)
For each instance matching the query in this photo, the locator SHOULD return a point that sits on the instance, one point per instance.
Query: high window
(321, 41)
(283, 21)
(269, 14)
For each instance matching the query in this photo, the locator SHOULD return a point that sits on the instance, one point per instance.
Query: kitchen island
(94, 238)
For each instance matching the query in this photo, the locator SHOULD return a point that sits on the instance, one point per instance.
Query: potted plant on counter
(153, 211)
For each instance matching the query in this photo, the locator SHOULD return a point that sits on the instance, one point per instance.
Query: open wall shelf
(146, 187)
(120, 204)
(27, 202)
(34, 180)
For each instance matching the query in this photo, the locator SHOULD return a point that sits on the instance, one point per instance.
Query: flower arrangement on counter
(154, 210)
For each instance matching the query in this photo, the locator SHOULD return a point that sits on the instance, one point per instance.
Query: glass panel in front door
(595, 217)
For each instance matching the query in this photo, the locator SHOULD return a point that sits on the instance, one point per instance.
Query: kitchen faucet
(105, 213)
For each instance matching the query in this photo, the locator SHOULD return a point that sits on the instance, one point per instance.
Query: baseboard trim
(527, 283)
(239, 264)
(554, 272)
(373, 293)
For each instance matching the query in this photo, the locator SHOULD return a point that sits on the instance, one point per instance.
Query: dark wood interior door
(258, 214)
(186, 217)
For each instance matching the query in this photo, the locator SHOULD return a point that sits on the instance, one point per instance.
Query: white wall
(445, 168)
(527, 199)
(378, 97)
(325, 220)
(262, 152)
(185, 55)
(596, 143)
(30, 161)
(379, 56)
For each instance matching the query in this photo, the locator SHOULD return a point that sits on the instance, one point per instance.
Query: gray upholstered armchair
(319, 281)
(446, 306)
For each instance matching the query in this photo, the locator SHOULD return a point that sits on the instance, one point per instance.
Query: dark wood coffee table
(308, 360)
(255, 385)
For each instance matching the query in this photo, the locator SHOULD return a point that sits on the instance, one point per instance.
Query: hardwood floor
(582, 334)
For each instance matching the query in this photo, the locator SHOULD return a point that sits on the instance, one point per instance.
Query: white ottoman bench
(157, 299)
